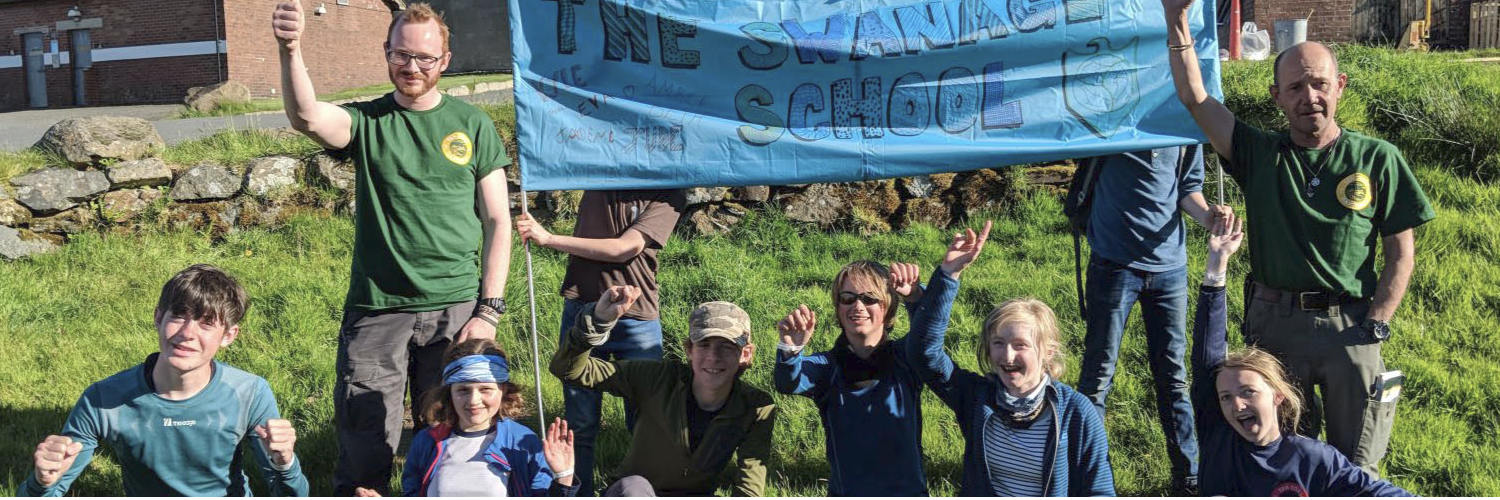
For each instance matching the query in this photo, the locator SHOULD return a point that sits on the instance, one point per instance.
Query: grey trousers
(382, 354)
(1328, 349)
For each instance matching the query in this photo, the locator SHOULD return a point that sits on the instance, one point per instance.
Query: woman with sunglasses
(867, 394)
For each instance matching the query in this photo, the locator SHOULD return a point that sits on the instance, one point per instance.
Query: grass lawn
(83, 313)
(274, 103)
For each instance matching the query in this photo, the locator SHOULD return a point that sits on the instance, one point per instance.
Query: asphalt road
(21, 129)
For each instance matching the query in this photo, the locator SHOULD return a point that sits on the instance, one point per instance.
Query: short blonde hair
(419, 12)
(1270, 368)
(871, 275)
(1043, 323)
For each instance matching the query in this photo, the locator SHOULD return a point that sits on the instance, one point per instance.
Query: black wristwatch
(498, 304)
(1379, 330)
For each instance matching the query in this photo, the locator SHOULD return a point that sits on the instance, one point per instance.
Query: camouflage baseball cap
(719, 319)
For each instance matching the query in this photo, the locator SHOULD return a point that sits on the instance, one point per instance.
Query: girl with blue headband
(474, 446)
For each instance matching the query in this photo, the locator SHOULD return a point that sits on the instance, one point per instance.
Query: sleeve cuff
(789, 350)
(595, 332)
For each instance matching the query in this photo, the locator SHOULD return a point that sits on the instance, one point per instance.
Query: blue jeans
(1111, 292)
(630, 339)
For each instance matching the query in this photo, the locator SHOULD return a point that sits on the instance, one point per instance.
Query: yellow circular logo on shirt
(458, 148)
(1354, 192)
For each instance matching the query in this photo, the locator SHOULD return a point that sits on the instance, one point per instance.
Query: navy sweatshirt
(873, 435)
(1230, 465)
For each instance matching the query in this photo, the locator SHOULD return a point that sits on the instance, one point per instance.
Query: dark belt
(1318, 300)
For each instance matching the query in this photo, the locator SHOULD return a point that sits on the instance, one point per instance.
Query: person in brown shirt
(614, 243)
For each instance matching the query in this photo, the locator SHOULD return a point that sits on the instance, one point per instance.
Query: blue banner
(627, 94)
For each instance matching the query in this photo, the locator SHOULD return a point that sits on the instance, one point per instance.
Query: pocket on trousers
(1375, 434)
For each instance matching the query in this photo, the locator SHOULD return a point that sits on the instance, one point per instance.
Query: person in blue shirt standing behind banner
(177, 422)
(1138, 248)
(1250, 441)
(868, 396)
(1025, 432)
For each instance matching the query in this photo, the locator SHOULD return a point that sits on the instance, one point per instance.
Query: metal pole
(536, 352)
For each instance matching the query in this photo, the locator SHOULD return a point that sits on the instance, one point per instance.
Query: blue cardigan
(1292, 466)
(1077, 456)
(873, 435)
(515, 455)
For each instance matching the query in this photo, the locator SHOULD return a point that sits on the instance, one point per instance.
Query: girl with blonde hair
(1025, 432)
(1247, 410)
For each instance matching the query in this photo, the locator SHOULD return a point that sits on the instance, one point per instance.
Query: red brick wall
(126, 23)
(342, 48)
(1332, 20)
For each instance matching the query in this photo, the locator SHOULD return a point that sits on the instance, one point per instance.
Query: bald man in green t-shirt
(1319, 198)
(429, 186)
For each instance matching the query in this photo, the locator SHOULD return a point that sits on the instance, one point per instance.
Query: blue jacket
(1230, 465)
(1077, 455)
(515, 454)
(873, 435)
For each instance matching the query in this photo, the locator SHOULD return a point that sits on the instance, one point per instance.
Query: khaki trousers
(1328, 350)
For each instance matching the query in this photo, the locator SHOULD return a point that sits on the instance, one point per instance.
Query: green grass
(274, 103)
(83, 313)
(77, 316)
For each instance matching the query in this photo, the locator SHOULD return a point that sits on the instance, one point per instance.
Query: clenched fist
(278, 436)
(286, 24)
(613, 303)
(53, 457)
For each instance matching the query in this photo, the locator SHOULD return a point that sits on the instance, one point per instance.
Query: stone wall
(113, 180)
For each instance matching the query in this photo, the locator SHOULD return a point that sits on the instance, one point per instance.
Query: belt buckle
(1319, 299)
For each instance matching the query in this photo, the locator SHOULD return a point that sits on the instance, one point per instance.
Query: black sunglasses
(848, 298)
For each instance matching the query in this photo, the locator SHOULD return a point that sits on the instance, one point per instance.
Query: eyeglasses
(848, 298)
(398, 58)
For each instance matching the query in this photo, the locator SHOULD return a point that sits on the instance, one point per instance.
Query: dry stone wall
(125, 186)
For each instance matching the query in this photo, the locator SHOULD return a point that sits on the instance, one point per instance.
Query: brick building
(1373, 22)
(152, 51)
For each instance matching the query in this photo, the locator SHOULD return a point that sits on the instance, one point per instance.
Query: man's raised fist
(286, 24)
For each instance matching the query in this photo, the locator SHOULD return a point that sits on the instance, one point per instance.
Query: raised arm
(930, 318)
(1210, 325)
(322, 122)
(1212, 116)
(572, 362)
(794, 373)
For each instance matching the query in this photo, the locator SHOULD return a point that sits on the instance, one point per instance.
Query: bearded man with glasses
(429, 186)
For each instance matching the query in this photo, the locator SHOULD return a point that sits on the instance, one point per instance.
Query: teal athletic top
(176, 448)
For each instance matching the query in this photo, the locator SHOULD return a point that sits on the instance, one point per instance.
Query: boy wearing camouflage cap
(703, 400)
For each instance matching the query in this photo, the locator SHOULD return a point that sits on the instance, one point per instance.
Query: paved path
(20, 129)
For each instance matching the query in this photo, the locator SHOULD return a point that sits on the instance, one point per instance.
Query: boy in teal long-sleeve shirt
(176, 422)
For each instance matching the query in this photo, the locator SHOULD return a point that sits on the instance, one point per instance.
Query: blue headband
(477, 368)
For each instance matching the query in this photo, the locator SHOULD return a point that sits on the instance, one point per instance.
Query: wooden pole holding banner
(1234, 30)
(536, 352)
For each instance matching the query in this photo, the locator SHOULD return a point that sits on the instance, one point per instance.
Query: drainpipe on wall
(218, 35)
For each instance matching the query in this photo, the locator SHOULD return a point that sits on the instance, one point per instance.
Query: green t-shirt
(416, 225)
(1364, 189)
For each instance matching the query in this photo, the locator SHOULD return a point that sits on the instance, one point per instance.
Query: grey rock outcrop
(53, 190)
(269, 174)
(88, 140)
(206, 182)
(137, 173)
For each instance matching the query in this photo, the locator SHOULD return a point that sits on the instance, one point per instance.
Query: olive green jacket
(659, 446)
